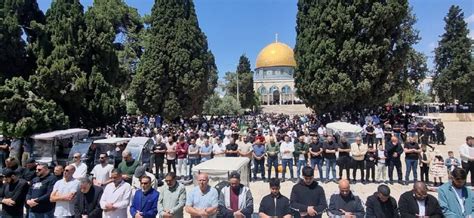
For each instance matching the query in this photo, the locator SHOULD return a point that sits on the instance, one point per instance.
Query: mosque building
(273, 77)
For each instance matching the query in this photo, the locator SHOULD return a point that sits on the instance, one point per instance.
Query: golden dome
(276, 54)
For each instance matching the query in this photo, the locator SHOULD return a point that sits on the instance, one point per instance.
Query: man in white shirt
(286, 150)
(466, 151)
(81, 168)
(116, 197)
(64, 192)
(102, 171)
(218, 149)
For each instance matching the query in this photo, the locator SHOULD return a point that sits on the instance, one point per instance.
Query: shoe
(283, 180)
(364, 182)
(400, 182)
(335, 181)
(390, 182)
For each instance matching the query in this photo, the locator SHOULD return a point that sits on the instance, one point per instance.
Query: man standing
(455, 199)
(246, 150)
(128, 166)
(64, 192)
(193, 156)
(286, 149)
(139, 172)
(272, 149)
(13, 194)
(316, 156)
(159, 150)
(231, 149)
(81, 168)
(182, 157)
(393, 151)
(259, 159)
(301, 150)
(418, 203)
(86, 203)
(381, 204)
(218, 149)
(330, 149)
(412, 153)
(30, 171)
(172, 197)
(466, 151)
(145, 201)
(58, 172)
(425, 160)
(235, 200)
(202, 201)
(206, 150)
(358, 151)
(274, 204)
(307, 197)
(116, 197)
(40, 190)
(101, 172)
(345, 203)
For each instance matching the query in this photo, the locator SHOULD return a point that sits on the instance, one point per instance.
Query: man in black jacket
(87, 200)
(307, 197)
(393, 151)
(38, 195)
(381, 204)
(418, 203)
(13, 195)
(275, 204)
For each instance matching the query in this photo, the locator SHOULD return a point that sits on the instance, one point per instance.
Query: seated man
(418, 203)
(202, 201)
(455, 199)
(307, 196)
(345, 203)
(381, 204)
(235, 200)
(275, 204)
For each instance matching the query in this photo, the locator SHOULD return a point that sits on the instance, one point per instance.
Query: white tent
(219, 169)
(61, 134)
(112, 140)
(346, 130)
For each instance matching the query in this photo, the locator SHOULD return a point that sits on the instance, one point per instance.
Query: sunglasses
(101, 157)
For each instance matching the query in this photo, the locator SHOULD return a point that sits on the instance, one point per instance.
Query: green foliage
(216, 105)
(132, 108)
(454, 75)
(177, 72)
(245, 81)
(60, 75)
(24, 113)
(351, 55)
(16, 56)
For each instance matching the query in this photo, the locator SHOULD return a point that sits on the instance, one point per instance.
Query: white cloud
(470, 19)
(432, 45)
(471, 34)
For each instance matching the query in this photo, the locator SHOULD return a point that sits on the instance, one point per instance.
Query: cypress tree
(60, 75)
(351, 54)
(177, 72)
(454, 76)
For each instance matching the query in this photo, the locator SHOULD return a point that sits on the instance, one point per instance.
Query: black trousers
(370, 139)
(159, 167)
(425, 173)
(259, 165)
(358, 164)
(171, 164)
(469, 167)
(397, 164)
(347, 168)
(272, 162)
(370, 167)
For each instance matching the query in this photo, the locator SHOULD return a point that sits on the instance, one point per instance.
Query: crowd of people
(274, 144)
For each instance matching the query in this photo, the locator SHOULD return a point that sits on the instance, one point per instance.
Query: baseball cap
(140, 171)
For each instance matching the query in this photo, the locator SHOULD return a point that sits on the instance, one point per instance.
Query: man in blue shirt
(202, 201)
(259, 159)
(145, 201)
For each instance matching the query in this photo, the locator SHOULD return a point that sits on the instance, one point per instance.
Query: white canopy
(61, 134)
(111, 140)
(344, 127)
(219, 168)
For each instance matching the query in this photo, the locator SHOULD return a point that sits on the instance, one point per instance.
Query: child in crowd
(438, 169)
(451, 162)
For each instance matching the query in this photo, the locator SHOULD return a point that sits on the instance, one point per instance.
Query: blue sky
(236, 27)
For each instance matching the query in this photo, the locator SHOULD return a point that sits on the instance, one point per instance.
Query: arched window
(262, 90)
(286, 90)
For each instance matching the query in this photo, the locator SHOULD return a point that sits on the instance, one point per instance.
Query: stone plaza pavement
(456, 133)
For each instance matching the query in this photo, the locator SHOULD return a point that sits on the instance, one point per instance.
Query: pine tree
(453, 74)
(351, 55)
(176, 72)
(60, 75)
(24, 113)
